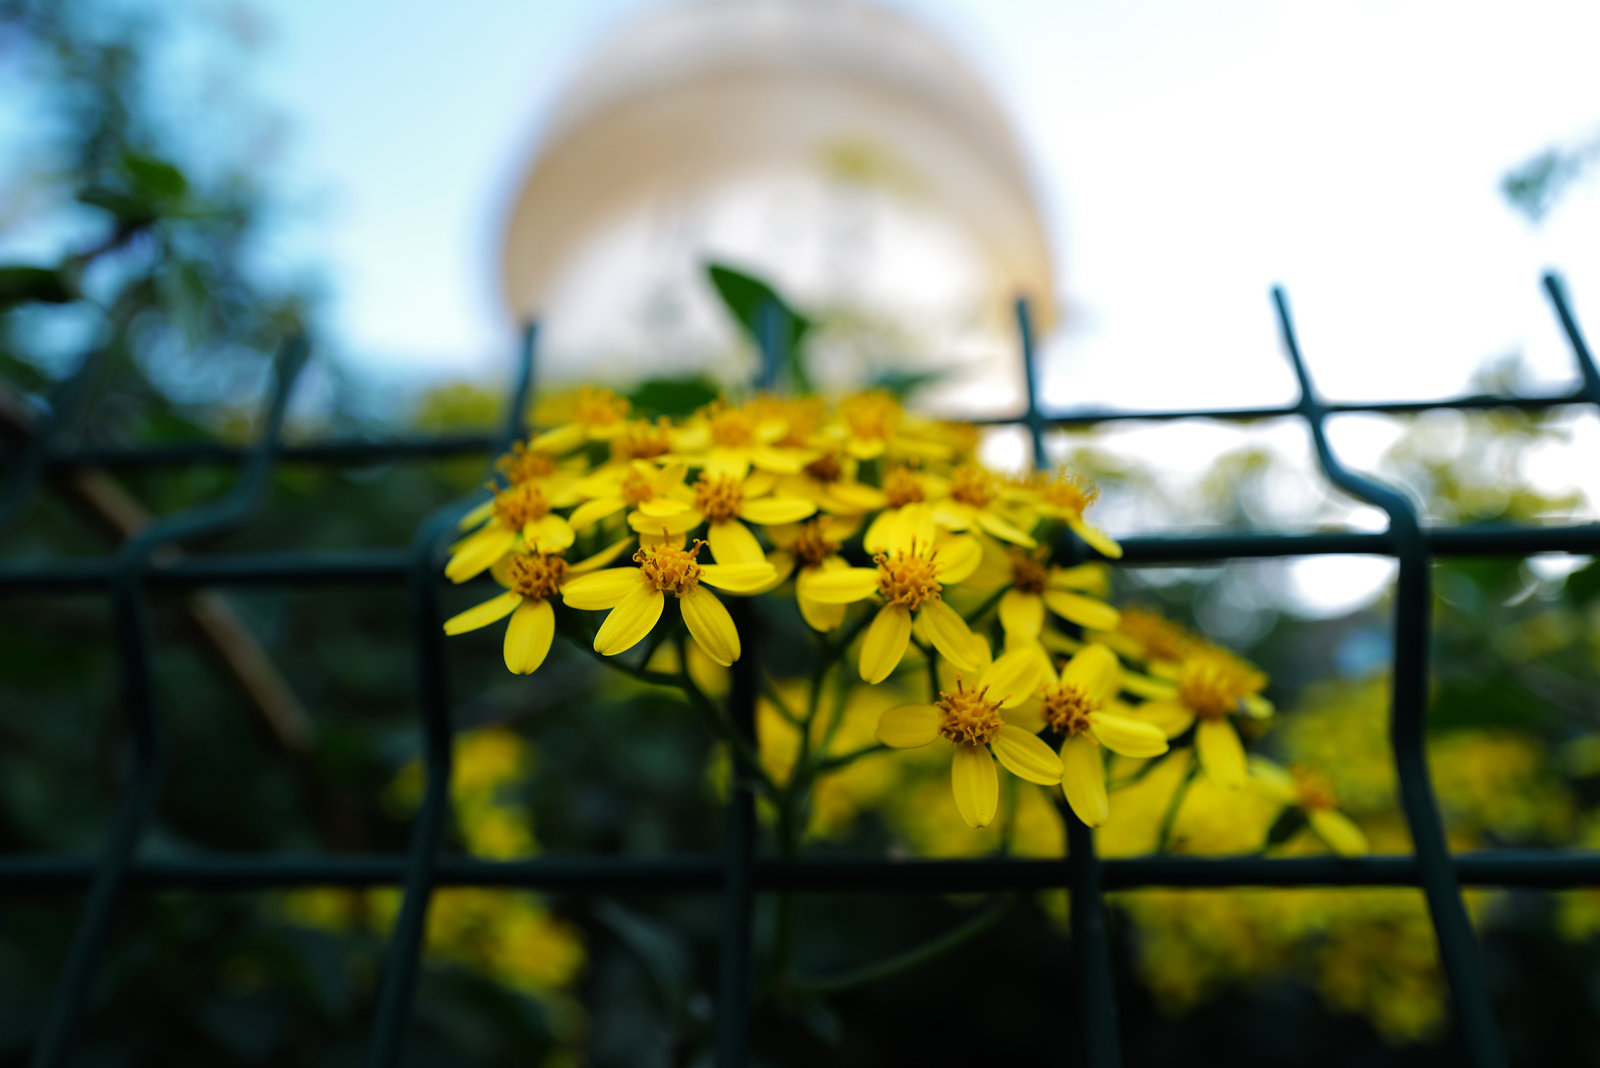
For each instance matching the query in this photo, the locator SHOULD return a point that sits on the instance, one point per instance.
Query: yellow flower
(1065, 497)
(813, 548)
(649, 490)
(1036, 585)
(909, 581)
(1208, 686)
(519, 515)
(729, 440)
(907, 516)
(1143, 634)
(873, 423)
(1073, 705)
(531, 579)
(598, 415)
(724, 503)
(1311, 792)
(830, 480)
(972, 722)
(973, 501)
(636, 597)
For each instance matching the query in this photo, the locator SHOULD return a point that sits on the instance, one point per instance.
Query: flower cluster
(901, 551)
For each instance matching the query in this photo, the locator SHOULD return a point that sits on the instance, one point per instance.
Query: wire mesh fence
(143, 564)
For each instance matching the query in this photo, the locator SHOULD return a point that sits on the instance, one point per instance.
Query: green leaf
(128, 208)
(152, 180)
(904, 383)
(1286, 826)
(22, 285)
(673, 396)
(746, 298)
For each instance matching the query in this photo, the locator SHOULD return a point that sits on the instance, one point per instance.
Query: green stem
(1170, 817)
(844, 760)
(911, 958)
(988, 603)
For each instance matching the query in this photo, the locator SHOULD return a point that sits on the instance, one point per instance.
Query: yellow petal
(909, 726)
(1145, 686)
(819, 616)
(1257, 707)
(885, 643)
(976, 785)
(777, 510)
(659, 507)
(732, 543)
(782, 461)
(734, 463)
(1096, 539)
(599, 559)
(1021, 614)
(528, 636)
(710, 625)
(1221, 753)
(1094, 670)
(1079, 577)
(476, 516)
(854, 498)
(591, 512)
(1004, 529)
(1014, 677)
(483, 614)
(958, 558)
(549, 534)
(561, 439)
(1084, 611)
(739, 578)
(840, 586)
(915, 529)
(1271, 780)
(883, 531)
(478, 552)
(1127, 736)
(1083, 780)
(1336, 829)
(1025, 756)
(1170, 717)
(949, 634)
(630, 620)
(602, 589)
(675, 526)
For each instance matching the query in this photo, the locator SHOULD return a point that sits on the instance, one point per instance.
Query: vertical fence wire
(1458, 952)
(132, 625)
(1091, 949)
(404, 952)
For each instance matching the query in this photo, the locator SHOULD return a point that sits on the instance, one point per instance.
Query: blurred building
(831, 146)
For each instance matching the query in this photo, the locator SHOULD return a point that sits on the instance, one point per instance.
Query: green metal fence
(739, 874)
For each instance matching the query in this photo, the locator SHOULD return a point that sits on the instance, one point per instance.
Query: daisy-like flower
(1313, 795)
(729, 440)
(872, 424)
(640, 439)
(972, 721)
(636, 597)
(725, 502)
(909, 581)
(830, 480)
(531, 581)
(1066, 497)
(974, 502)
(1073, 704)
(598, 415)
(907, 515)
(1149, 637)
(518, 516)
(1208, 686)
(1037, 585)
(652, 492)
(812, 549)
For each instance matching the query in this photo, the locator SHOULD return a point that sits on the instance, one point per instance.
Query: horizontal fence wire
(739, 872)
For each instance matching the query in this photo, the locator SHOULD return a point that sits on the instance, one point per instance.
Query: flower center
(811, 546)
(902, 486)
(870, 416)
(826, 468)
(907, 579)
(525, 464)
(599, 407)
(972, 485)
(1210, 687)
(1161, 638)
(642, 440)
(732, 428)
(638, 487)
(1028, 574)
(520, 505)
(970, 718)
(1069, 493)
(536, 576)
(718, 497)
(670, 570)
(1313, 791)
(1067, 708)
